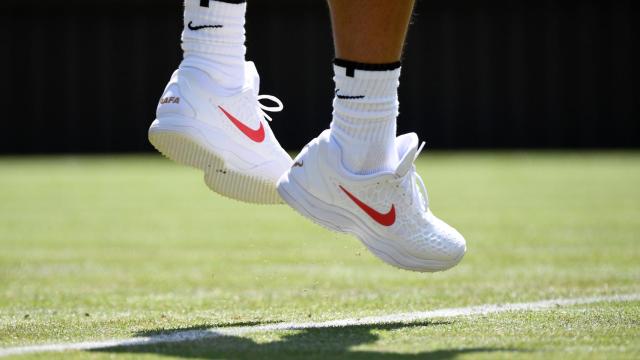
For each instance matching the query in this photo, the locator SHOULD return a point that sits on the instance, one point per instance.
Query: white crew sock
(365, 109)
(213, 41)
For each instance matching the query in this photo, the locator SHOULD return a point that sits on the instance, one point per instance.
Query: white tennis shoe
(387, 211)
(227, 137)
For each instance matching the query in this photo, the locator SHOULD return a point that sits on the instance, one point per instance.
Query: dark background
(85, 76)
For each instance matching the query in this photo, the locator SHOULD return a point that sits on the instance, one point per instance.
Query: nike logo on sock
(256, 135)
(348, 97)
(387, 219)
(200, 27)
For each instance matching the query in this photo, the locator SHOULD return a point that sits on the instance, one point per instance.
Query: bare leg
(370, 31)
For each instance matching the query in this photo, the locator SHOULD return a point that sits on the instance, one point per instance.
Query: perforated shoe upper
(373, 199)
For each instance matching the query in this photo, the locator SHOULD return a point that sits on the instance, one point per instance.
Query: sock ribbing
(202, 2)
(365, 108)
(213, 40)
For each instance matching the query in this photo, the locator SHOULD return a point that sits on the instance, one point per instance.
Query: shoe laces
(265, 108)
(415, 180)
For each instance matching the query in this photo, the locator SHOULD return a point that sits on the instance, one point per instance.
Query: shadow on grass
(319, 343)
(203, 328)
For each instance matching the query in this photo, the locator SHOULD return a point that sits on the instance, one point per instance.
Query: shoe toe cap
(440, 246)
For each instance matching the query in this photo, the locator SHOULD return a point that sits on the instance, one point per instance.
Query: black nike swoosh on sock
(200, 27)
(348, 97)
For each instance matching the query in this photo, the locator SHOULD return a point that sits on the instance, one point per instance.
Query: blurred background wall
(85, 76)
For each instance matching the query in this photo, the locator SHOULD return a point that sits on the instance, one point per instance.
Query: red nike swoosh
(256, 135)
(383, 219)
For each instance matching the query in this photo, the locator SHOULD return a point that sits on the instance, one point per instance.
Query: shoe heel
(308, 205)
(182, 149)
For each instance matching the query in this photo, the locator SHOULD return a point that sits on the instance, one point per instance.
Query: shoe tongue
(407, 147)
(251, 77)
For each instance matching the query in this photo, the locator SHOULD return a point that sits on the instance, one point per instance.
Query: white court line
(191, 335)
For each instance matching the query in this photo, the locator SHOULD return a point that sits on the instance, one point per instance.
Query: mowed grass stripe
(195, 335)
(128, 247)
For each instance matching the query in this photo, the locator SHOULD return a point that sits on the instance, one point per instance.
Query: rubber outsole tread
(218, 177)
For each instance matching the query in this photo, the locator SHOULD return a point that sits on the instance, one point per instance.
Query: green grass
(108, 247)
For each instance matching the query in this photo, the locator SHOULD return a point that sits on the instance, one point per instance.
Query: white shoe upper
(234, 127)
(387, 210)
